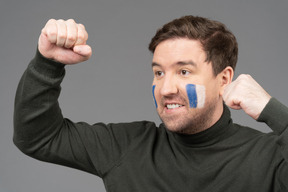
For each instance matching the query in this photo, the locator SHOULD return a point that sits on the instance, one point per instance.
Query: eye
(184, 72)
(159, 73)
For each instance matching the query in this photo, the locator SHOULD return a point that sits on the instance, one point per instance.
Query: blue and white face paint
(196, 95)
(153, 93)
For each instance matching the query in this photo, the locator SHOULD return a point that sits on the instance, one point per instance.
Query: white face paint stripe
(201, 95)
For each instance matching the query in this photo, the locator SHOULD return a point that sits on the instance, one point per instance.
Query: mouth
(173, 106)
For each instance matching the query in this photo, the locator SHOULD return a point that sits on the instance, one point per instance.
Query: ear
(225, 78)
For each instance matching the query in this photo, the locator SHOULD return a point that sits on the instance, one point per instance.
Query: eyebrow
(154, 64)
(190, 62)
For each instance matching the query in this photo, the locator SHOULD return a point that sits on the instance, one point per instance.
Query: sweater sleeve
(37, 116)
(41, 131)
(275, 115)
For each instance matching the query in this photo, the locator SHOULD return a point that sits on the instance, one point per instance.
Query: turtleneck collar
(222, 129)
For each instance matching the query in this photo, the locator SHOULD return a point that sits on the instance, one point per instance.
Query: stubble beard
(195, 121)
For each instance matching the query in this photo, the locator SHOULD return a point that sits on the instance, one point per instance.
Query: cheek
(196, 95)
(153, 94)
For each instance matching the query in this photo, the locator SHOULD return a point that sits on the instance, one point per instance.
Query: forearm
(37, 116)
(275, 115)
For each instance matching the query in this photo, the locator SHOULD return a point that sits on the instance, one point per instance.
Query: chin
(177, 126)
(189, 124)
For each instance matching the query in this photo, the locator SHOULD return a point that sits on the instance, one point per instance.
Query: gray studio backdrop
(115, 84)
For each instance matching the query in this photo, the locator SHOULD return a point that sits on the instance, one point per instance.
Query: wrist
(47, 66)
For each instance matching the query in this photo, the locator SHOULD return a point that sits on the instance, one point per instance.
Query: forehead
(181, 49)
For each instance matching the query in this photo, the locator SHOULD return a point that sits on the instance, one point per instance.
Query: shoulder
(250, 138)
(133, 126)
(133, 129)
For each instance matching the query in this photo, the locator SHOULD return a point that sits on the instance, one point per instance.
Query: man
(197, 148)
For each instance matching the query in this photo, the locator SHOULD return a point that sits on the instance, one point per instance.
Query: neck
(223, 128)
(210, 116)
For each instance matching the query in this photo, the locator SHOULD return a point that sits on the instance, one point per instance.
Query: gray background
(115, 84)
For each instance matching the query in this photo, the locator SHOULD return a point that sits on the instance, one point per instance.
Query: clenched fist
(245, 93)
(64, 42)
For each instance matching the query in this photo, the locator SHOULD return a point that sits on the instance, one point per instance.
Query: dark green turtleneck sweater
(139, 156)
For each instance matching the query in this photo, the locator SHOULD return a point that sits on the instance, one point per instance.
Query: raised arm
(40, 130)
(245, 93)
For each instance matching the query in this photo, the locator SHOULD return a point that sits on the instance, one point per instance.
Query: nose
(169, 86)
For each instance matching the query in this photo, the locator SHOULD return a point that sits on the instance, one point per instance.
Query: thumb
(83, 50)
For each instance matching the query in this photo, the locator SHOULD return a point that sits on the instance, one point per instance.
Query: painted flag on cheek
(153, 93)
(196, 95)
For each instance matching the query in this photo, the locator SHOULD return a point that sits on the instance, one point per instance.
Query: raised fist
(245, 93)
(64, 42)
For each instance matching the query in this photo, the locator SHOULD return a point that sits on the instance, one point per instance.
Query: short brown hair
(218, 42)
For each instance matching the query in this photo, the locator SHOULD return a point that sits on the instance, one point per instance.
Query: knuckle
(81, 36)
(244, 76)
(71, 37)
(86, 36)
(71, 21)
(61, 35)
(59, 43)
(68, 45)
(51, 33)
(81, 26)
(51, 21)
(241, 76)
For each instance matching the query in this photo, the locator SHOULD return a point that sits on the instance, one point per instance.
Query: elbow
(24, 146)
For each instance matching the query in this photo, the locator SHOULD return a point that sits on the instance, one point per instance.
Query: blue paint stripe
(153, 93)
(192, 95)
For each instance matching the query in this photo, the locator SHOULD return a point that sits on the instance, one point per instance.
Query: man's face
(186, 92)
